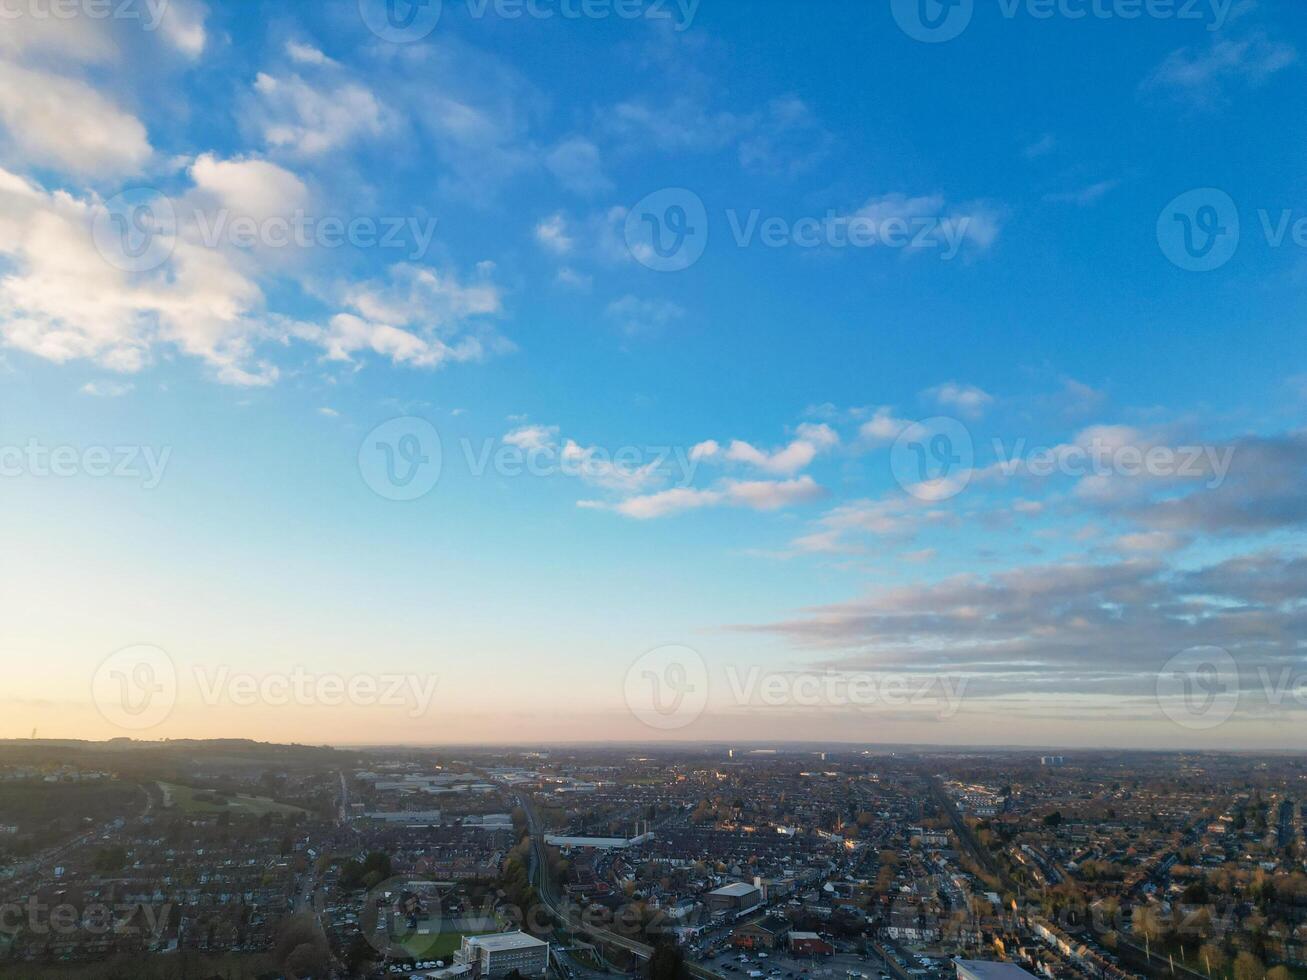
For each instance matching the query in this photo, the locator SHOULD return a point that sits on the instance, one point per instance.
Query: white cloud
(297, 117)
(107, 389)
(532, 437)
(976, 224)
(1084, 196)
(638, 316)
(253, 188)
(811, 440)
(594, 466)
(921, 556)
(841, 528)
(577, 165)
(755, 495)
(680, 125)
(1040, 147)
(883, 427)
(772, 495)
(417, 316)
(65, 123)
(183, 26)
(785, 138)
(63, 301)
(307, 54)
(967, 400)
(552, 233)
(567, 276)
(1204, 77)
(1150, 542)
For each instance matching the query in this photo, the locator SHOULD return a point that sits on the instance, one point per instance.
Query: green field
(441, 946)
(184, 798)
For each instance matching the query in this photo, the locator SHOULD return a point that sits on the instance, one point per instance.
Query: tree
(1248, 967)
(1146, 924)
(667, 962)
(1213, 959)
(110, 860)
(301, 948)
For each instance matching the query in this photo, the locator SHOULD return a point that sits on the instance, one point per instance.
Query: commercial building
(809, 944)
(596, 843)
(765, 933)
(735, 897)
(990, 970)
(499, 954)
(413, 818)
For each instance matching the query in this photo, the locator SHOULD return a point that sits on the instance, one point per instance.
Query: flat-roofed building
(735, 897)
(990, 970)
(499, 954)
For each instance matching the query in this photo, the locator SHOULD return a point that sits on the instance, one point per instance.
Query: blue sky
(724, 450)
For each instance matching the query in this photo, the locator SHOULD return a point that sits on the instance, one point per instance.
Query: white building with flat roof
(990, 970)
(499, 954)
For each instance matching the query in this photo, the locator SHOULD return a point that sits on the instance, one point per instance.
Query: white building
(499, 954)
(990, 970)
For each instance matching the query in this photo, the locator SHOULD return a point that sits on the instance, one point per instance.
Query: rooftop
(736, 889)
(498, 942)
(991, 970)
